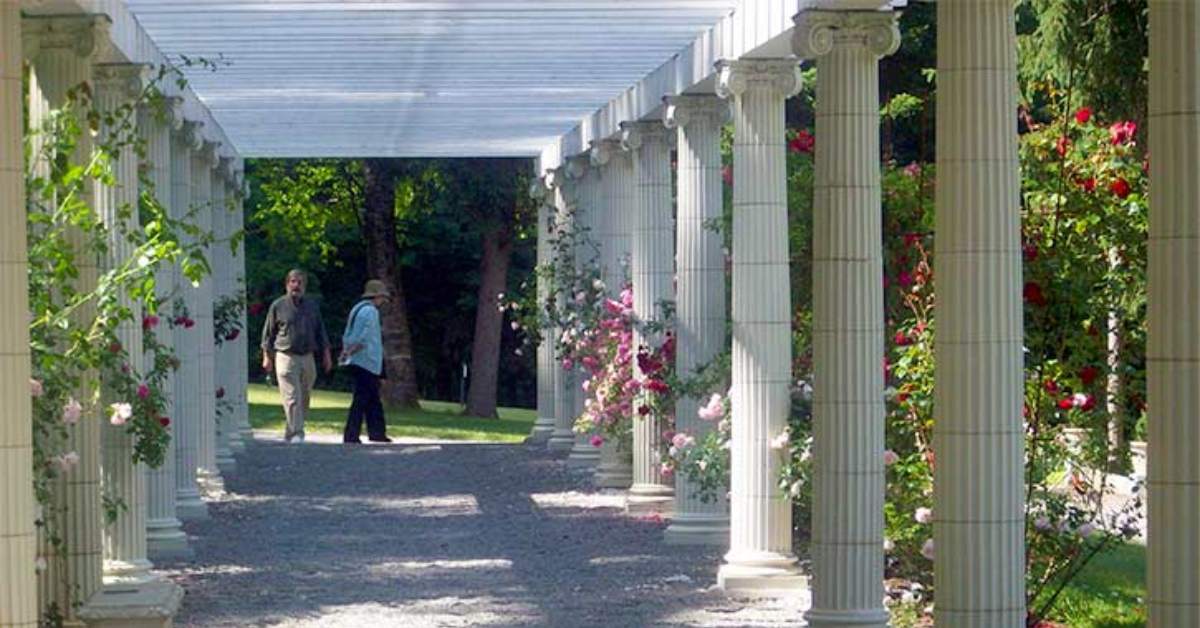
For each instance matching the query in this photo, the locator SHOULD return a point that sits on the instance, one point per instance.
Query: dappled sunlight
(477, 564)
(575, 499)
(424, 506)
(442, 611)
(619, 560)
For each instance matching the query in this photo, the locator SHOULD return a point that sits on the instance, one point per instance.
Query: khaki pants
(295, 374)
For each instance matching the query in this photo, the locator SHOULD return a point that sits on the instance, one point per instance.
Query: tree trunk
(485, 348)
(399, 390)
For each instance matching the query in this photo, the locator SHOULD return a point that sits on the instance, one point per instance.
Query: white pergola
(601, 92)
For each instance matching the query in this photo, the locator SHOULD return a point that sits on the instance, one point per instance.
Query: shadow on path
(442, 534)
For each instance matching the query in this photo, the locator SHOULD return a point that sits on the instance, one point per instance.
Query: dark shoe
(381, 439)
(347, 441)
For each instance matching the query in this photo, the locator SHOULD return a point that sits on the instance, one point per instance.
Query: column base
(165, 539)
(543, 429)
(763, 574)
(151, 604)
(247, 433)
(226, 465)
(690, 529)
(650, 499)
(189, 506)
(126, 573)
(613, 476)
(581, 458)
(560, 441)
(875, 617)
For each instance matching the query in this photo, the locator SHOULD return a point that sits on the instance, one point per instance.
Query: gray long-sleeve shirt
(294, 327)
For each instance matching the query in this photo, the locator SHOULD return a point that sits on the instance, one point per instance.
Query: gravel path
(440, 534)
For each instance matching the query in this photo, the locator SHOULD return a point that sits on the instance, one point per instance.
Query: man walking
(292, 335)
(362, 351)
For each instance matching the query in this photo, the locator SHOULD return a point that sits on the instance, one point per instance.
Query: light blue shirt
(362, 327)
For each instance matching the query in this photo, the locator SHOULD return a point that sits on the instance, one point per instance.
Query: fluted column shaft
(224, 369)
(848, 329)
(241, 404)
(563, 437)
(164, 534)
(61, 50)
(617, 193)
(207, 473)
(653, 245)
(1173, 344)
(117, 88)
(979, 521)
(760, 554)
(580, 196)
(700, 295)
(543, 427)
(187, 347)
(18, 590)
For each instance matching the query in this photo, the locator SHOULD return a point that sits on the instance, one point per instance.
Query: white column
(700, 302)
(979, 479)
(164, 533)
(187, 348)
(653, 244)
(543, 427)
(207, 473)
(609, 161)
(578, 194)
(239, 266)
(224, 371)
(563, 437)
(1173, 351)
(18, 590)
(848, 330)
(61, 50)
(117, 87)
(760, 551)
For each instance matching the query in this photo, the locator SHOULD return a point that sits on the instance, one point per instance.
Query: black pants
(366, 405)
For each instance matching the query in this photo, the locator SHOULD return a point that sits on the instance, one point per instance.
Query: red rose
(1083, 115)
(1030, 252)
(1051, 386)
(643, 410)
(901, 397)
(1033, 294)
(1122, 132)
(727, 175)
(114, 346)
(164, 421)
(1088, 404)
(1062, 145)
(1119, 187)
(1065, 403)
(233, 334)
(220, 392)
(149, 322)
(1088, 374)
(1088, 184)
(901, 339)
(904, 278)
(803, 142)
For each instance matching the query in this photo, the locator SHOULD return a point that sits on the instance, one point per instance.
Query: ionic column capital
(576, 167)
(225, 169)
(683, 109)
(817, 32)
(634, 135)
(84, 35)
(190, 133)
(209, 154)
(538, 190)
(125, 81)
(778, 76)
(604, 151)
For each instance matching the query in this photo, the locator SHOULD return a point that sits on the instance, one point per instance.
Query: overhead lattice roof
(418, 77)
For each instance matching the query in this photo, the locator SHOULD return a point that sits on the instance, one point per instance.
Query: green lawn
(436, 419)
(1110, 592)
